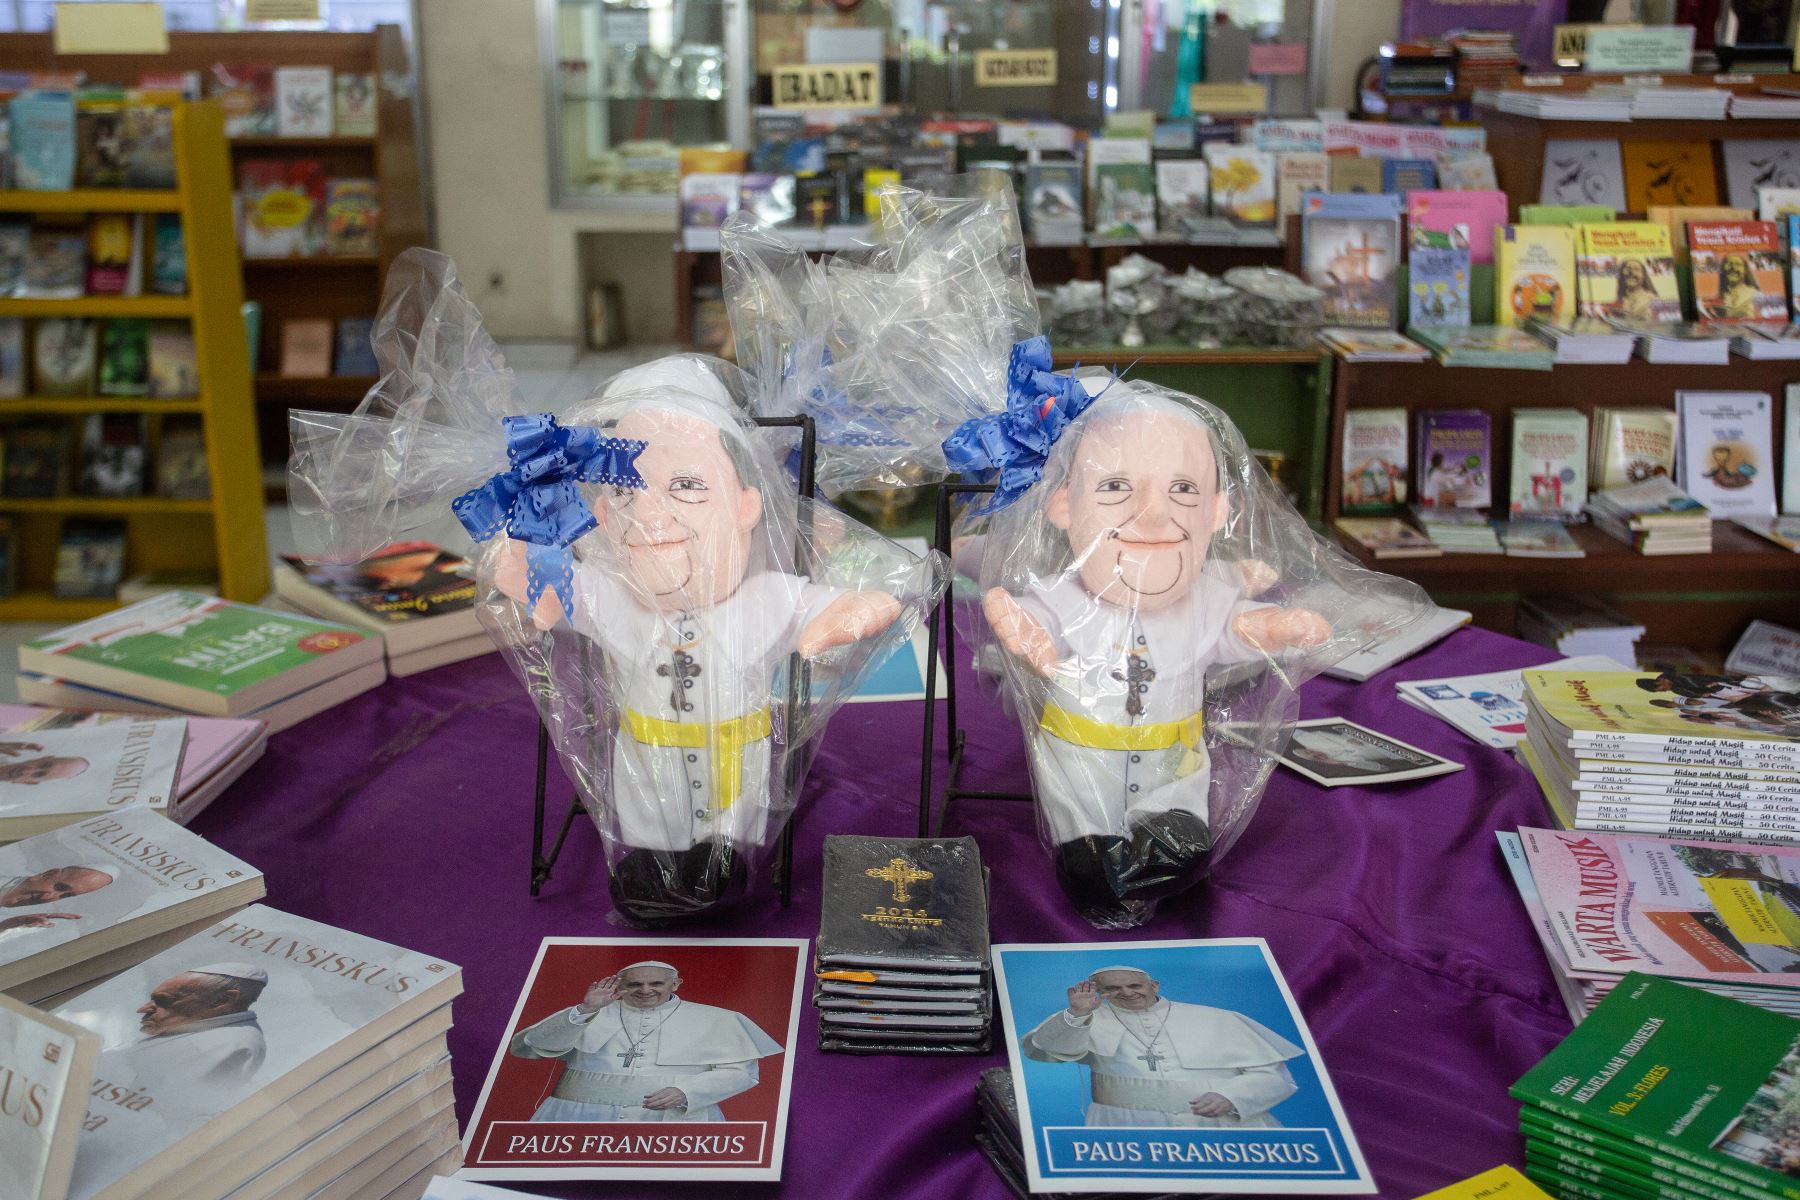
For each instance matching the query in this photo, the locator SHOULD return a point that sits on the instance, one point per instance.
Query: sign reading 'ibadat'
(828, 85)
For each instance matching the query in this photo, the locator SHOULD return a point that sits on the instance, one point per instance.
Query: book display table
(405, 815)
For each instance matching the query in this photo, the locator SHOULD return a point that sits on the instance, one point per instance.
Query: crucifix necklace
(1150, 1058)
(630, 1054)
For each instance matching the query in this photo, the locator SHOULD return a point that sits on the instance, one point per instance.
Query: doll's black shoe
(647, 887)
(1090, 871)
(713, 872)
(1170, 853)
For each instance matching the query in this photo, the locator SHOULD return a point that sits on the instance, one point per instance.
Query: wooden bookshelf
(332, 288)
(1160, 354)
(224, 534)
(1699, 600)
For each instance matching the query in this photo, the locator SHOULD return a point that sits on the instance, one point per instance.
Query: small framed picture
(1334, 752)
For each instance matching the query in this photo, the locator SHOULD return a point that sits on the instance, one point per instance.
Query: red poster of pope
(633, 1059)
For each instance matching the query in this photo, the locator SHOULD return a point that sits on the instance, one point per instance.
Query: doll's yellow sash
(1078, 730)
(724, 742)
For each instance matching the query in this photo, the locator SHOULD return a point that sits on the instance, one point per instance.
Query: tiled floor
(551, 376)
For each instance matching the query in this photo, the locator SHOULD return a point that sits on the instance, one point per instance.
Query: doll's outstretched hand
(509, 577)
(1271, 629)
(1019, 631)
(849, 618)
(1258, 576)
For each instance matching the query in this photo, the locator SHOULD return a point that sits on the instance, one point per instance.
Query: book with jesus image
(55, 777)
(1183, 1066)
(46, 1069)
(634, 1059)
(224, 1034)
(93, 898)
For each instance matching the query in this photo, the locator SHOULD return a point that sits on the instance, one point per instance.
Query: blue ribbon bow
(536, 502)
(1014, 444)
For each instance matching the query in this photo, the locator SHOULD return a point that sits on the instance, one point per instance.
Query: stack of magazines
(1653, 517)
(267, 1056)
(1665, 1090)
(903, 960)
(1716, 915)
(1585, 339)
(90, 899)
(998, 1136)
(1704, 756)
(187, 653)
(218, 750)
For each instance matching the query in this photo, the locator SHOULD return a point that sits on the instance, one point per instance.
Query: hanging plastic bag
(1159, 603)
(684, 622)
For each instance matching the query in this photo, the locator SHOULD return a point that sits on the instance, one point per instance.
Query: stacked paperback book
(903, 960)
(1653, 517)
(1706, 756)
(218, 750)
(1459, 530)
(266, 1056)
(417, 597)
(1579, 626)
(183, 652)
(998, 1135)
(61, 776)
(1715, 915)
(90, 899)
(1665, 1090)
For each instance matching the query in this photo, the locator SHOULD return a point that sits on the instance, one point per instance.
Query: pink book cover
(1476, 212)
(212, 741)
(1697, 910)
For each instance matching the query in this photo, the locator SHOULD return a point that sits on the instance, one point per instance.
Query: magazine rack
(799, 692)
(943, 620)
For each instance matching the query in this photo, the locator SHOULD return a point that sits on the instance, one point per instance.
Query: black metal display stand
(799, 691)
(943, 620)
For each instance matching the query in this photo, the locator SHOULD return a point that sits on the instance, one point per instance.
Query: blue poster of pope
(1170, 1067)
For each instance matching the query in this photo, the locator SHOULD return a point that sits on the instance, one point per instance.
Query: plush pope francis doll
(686, 598)
(636, 1051)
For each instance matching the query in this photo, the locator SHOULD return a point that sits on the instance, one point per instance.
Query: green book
(1565, 1188)
(1564, 214)
(1618, 1184)
(1681, 1071)
(200, 654)
(1499, 346)
(1634, 1172)
(1540, 1126)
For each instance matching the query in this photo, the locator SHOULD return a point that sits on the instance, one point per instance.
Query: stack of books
(91, 899)
(1769, 105)
(999, 1138)
(1677, 343)
(1577, 626)
(218, 750)
(52, 1063)
(1553, 106)
(1698, 912)
(418, 597)
(1584, 339)
(1459, 530)
(319, 1068)
(1500, 346)
(1372, 345)
(903, 961)
(183, 652)
(1653, 517)
(61, 776)
(1665, 1090)
(1538, 538)
(1387, 537)
(1763, 342)
(1660, 102)
(1706, 756)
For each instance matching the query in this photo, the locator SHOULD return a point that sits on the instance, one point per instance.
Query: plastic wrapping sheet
(1159, 604)
(691, 625)
(888, 347)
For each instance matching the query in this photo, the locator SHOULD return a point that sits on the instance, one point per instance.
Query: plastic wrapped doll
(684, 621)
(695, 628)
(1153, 687)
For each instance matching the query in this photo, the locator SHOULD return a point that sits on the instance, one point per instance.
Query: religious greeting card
(635, 1059)
(1338, 753)
(1170, 1067)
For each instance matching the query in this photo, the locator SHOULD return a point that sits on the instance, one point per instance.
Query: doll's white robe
(1149, 1066)
(694, 668)
(1085, 791)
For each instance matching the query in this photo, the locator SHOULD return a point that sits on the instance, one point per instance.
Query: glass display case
(1168, 44)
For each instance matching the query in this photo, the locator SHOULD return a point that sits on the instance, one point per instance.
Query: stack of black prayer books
(999, 1136)
(903, 964)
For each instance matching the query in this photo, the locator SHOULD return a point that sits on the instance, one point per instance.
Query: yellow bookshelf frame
(225, 533)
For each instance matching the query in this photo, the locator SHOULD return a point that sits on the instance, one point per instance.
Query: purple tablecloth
(406, 815)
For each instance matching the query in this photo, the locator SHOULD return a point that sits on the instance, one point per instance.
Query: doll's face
(684, 538)
(1140, 506)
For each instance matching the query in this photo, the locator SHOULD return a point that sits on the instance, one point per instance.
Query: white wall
(1358, 29)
